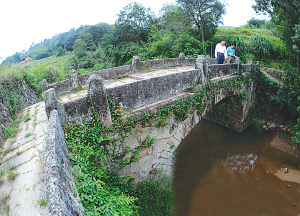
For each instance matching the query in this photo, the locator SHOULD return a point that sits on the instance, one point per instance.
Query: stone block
(52, 102)
(74, 79)
(44, 85)
(1, 136)
(136, 64)
(97, 94)
(132, 141)
(202, 65)
(181, 58)
(238, 62)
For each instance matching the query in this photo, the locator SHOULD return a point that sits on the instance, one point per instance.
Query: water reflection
(221, 172)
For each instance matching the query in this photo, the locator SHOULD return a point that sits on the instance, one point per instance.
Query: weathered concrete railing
(138, 92)
(60, 186)
(115, 72)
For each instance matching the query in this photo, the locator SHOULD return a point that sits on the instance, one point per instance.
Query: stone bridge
(142, 87)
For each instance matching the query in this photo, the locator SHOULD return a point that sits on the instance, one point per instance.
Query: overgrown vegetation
(280, 103)
(96, 156)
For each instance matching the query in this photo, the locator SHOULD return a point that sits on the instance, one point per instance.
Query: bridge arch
(157, 160)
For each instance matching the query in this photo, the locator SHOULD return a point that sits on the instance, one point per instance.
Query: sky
(24, 22)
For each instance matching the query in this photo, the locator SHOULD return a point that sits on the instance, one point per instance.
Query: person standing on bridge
(231, 54)
(221, 52)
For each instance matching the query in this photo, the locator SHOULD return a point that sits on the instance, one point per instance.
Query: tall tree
(90, 44)
(174, 19)
(134, 23)
(98, 31)
(204, 14)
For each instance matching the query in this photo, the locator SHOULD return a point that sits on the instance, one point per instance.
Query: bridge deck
(22, 166)
(127, 80)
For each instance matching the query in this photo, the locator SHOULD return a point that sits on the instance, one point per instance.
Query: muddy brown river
(224, 173)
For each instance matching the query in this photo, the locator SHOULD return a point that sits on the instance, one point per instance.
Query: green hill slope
(52, 68)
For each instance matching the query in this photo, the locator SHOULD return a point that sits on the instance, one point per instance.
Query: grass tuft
(42, 202)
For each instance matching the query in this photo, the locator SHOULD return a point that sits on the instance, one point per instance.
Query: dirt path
(22, 168)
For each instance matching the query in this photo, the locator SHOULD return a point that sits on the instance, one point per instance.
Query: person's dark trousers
(221, 58)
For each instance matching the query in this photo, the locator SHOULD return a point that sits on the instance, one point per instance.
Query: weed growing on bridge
(27, 134)
(27, 116)
(11, 175)
(96, 156)
(42, 202)
(5, 198)
(148, 141)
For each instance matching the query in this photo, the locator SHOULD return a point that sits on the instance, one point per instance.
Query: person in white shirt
(221, 52)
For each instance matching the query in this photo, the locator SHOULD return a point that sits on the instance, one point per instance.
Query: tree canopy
(204, 14)
(134, 23)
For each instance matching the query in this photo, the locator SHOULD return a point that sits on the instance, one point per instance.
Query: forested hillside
(139, 32)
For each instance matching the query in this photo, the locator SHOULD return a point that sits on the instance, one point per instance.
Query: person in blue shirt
(231, 54)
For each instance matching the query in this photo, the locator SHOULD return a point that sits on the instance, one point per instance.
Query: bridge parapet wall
(130, 95)
(115, 72)
(133, 94)
(60, 186)
(142, 91)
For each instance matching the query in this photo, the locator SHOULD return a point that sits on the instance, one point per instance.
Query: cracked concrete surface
(22, 168)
